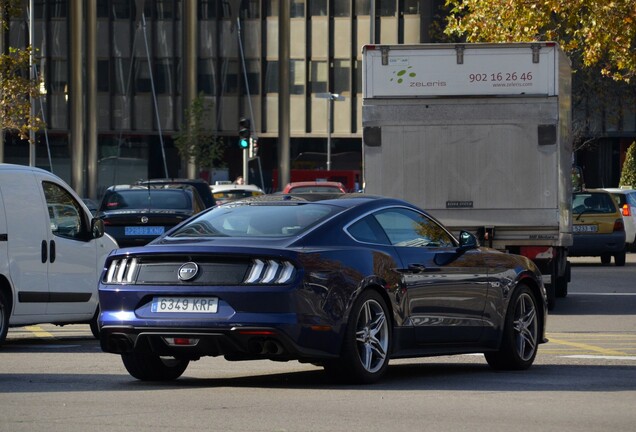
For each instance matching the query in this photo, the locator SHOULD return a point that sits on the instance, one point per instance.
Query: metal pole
(76, 97)
(91, 97)
(283, 93)
(32, 111)
(329, 109)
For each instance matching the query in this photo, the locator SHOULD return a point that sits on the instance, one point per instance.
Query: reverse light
(181, 341)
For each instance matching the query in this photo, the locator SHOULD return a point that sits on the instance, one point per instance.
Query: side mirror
(467, 241)
(97, 227)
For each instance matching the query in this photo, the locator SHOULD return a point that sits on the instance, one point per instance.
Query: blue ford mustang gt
(346, 282)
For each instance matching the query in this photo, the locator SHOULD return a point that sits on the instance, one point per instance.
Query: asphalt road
(584, 379)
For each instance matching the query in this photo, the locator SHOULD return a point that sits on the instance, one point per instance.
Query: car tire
(94, 324)
(5, 312)
(151, 367)
(619, 259)
(520, 336)
(367, 342)
(606, 259)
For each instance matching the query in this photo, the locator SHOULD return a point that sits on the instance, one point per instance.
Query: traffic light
(244, 133)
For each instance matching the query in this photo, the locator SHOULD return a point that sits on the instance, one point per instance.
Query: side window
(367, 230)
(408, 228)
(65, 213)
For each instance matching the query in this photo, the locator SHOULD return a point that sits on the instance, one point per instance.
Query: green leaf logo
(400, 75)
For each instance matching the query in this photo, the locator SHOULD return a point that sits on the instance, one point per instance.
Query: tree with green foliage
(195, 142)
(17, 88)
(628, 175)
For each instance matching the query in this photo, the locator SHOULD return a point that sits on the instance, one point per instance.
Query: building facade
(116, 76)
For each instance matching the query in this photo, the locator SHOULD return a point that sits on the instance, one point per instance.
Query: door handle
(44, 252)
(52, 251)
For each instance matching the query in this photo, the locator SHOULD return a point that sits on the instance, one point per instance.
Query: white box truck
(479, 136)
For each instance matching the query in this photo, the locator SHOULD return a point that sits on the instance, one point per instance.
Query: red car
(315, 187)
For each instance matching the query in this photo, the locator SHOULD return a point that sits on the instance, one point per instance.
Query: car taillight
(627, 210)
(121, 271)
(270, 272)
(619, 225)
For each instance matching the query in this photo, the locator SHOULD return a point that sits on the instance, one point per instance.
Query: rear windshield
(592, 202)
(257, 220)
(147, 199)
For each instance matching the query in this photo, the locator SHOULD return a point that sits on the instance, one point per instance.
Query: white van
(52, 251)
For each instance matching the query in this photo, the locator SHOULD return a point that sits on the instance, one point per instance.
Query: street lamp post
(330, 98)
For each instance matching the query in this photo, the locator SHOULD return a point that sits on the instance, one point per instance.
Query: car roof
(232, 186)
(618, 190)
(314, 183)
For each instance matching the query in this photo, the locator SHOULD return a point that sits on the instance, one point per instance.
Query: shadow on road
(413, 376)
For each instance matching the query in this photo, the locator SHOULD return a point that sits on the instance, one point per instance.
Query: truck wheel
(151, 367)
(606, 259)
(562, 287)
(5, 311)
(520, 338)
(619, 259)
(551, 292)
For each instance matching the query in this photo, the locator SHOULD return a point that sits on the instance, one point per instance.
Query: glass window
(271, 77)
(341, 76)
(367, 230)
(164, 9)
(207, 77)
(230, 76)
(121, 9)
(164, 83)
(64, 211)
(142, 76)
(253, 76)
(341, 8)
(59, 76)
(363, 7)
(257, 220)
(102, 8)
(407, 228)
(388, 8)
(271, 8)
(318, 7)
(102, 76)
(57, 8)
(121, 76)
(318, 74)
(207, 9)
(297, 9)
(411, 7)
(297, 77)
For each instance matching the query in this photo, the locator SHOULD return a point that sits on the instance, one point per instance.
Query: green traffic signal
(244, 143)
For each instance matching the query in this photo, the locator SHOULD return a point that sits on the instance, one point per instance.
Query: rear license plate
(143, 230)
(585, 228)
(185, 304)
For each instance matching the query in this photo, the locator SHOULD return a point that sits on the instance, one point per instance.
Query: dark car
(201, 186)
(135, 215)
(346, 283)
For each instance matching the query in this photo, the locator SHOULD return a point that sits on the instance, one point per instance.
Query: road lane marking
(600, 357)
(39, 332)
(588, 347)
(602, 294)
